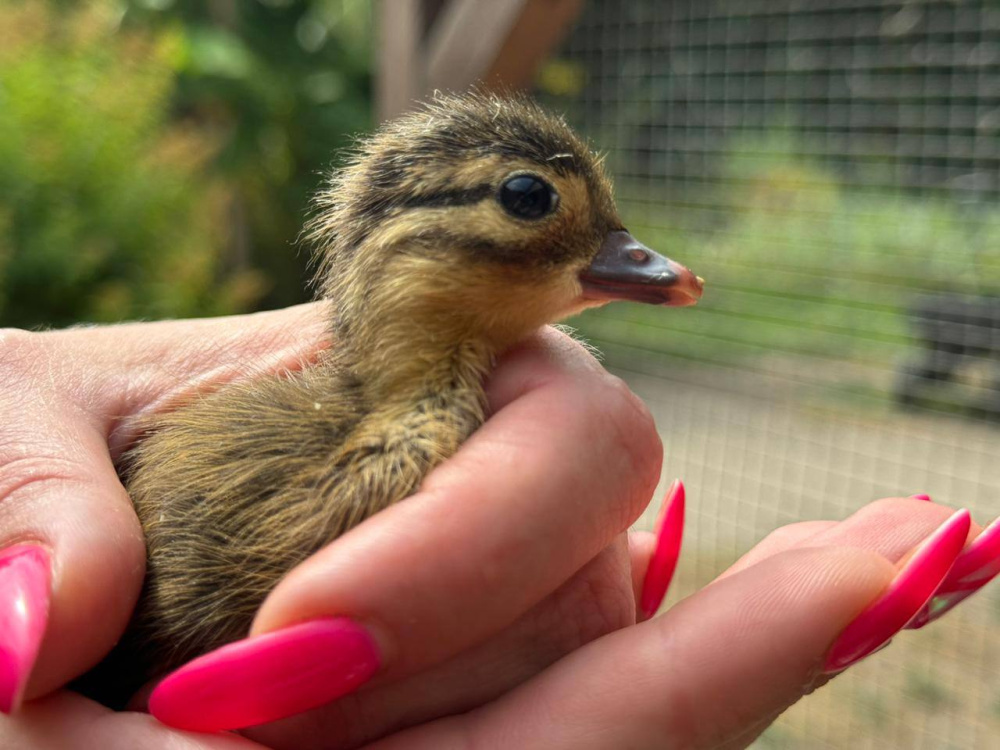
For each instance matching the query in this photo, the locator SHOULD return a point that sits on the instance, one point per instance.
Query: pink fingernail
(910, 590)
(921, 496)
(669, 531)
(267, 677)
(25, 578)
(975, 567)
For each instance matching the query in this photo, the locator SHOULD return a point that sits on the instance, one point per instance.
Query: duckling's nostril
(638, 255)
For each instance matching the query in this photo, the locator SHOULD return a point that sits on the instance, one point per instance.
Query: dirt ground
(754, 457)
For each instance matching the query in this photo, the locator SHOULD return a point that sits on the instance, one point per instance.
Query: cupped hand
(512, 556)
(534, 510)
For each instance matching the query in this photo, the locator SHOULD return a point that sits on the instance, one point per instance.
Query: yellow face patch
(568, 233)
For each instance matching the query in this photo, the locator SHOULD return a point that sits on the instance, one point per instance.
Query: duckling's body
(288, 465)
(454, 233)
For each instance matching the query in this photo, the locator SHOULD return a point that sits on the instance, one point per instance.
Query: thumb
(71, 550)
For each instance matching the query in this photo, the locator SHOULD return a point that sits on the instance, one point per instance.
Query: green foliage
(105, 212)
(157, 157)
(282, 85)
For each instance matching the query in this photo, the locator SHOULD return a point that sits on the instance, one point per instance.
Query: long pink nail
(922, 496)
(910, 590)
(25, 577)
(267, 677)
(670, 530)
(975, 567)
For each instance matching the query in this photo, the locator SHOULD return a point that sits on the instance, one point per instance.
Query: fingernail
(975, 567)
(25, 577)
(267, 677)
(921, 496)
(669, 531)
(910, 590)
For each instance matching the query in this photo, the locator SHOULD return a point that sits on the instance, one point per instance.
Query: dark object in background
(958, 332)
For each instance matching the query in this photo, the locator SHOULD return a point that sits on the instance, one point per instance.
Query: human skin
(534, 566)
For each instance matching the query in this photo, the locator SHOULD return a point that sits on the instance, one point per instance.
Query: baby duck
(454, 232)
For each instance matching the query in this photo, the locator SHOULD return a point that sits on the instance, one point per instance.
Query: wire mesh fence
(831, 168)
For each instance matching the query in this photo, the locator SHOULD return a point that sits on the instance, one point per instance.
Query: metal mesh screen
(831, 169)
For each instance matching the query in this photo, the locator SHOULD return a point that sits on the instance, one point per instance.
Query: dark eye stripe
(485, 249)
(446, 198)
(380, 205)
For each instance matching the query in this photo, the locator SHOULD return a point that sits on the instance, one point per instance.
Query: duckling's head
(477, 218)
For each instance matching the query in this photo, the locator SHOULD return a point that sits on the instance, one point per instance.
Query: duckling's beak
(626, 269)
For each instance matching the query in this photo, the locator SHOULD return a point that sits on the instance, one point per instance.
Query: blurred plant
(105, 213)
(281, 85)
(560, 78)
(156, 157)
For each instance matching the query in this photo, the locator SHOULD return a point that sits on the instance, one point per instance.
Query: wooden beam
(466, 39)
(450, 45)
(399, 70)
(540, 27)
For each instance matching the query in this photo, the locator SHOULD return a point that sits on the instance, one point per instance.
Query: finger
(596, 601)
(508, 487)
(976, 566)
(669, 536)
(641, 545)
(779, 540)
(66, 720)
(725, 660)
(891, 527)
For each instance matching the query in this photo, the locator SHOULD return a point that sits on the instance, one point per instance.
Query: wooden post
(466, 39)
(494, 43)
(398, 74)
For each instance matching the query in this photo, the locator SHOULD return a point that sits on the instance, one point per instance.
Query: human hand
(73, 401)
(718, 668)
(583, 579)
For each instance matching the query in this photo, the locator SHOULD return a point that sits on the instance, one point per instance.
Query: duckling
(453, 233)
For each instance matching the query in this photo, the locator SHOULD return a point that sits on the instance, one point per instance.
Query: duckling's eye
(528, 197)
